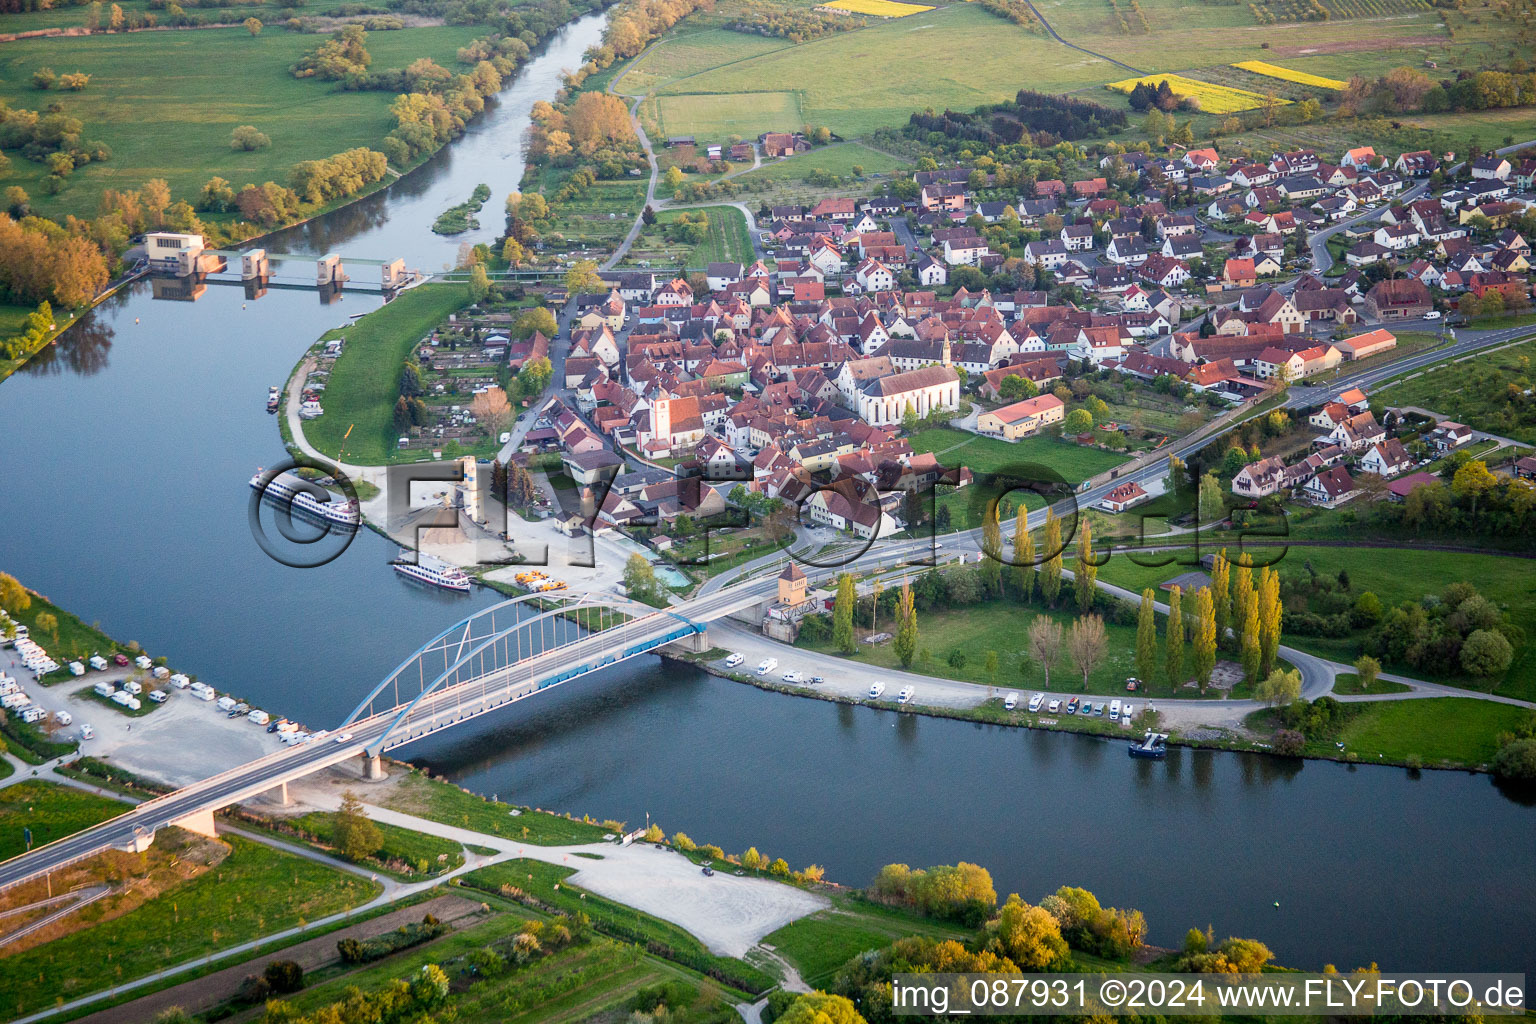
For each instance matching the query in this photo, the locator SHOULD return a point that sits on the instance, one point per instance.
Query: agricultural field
(177, 127)
(598, 219)
(253, 891)
(846, 80)
(715, 117)
(1213, 99)
(878, 8)
(1266, 70)
(840, 158)
(726, 240)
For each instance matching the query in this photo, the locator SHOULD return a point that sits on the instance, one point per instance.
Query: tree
(1088, 643)
(253, 26)
(536, 320)
(1473, 480)
(1269, 618)
(1029, 936)
(1367, 669)
(991, 567)
(48, 624)
(1050, 576)
(491, 410)
(1023, 554)
(1484, 653)
(356, 837)
(247, 139)
(1205, 636)
(1249, 641)
(157, 196)
(1078, 421)
(1279, 688)
(1173, 654)
(1213, 506)
(1085, 572)
(1045, 637)
(479, 283)
(43, 78)
(1146, 635)
(842, 615)
(583, 278)
(1221, 596)
(820, 1008)
(14, 598)
(284, 976)
(906, 626)
(639, 578)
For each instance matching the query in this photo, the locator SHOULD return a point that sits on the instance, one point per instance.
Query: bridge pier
(694, 643)
(373, 768)
(254, 265)
(200, 822)
(279, 795)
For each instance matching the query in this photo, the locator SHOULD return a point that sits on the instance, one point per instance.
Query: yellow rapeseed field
(879, 8)
(1213, 99)
(1259, 67)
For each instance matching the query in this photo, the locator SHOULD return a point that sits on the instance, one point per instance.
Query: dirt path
(208, 991)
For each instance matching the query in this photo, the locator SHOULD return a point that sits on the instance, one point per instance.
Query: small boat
(429, 569)
(1154, 747)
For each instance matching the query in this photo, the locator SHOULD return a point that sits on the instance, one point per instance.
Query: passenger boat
(287, 489)
(433, 570)
(1153, 747)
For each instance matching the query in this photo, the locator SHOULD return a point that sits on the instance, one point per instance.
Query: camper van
(98, 663)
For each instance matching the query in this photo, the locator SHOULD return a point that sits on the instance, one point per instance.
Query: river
(123, 496)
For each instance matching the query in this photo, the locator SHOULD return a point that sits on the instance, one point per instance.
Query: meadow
(726, 241)
(365, 381)
(51, 811)
(714, 117)
(447, 803)
(989, 455)
(166, 102)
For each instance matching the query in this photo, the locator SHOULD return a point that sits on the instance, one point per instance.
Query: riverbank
(1249, 733)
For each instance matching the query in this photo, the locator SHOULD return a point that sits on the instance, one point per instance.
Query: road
(1079, 49)
(650, 158)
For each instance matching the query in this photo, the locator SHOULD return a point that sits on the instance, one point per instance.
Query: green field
(365, 381)
(76, 639)
(726, 242)
(838, 158)
(447, 803)
(713, 117)
(1000, 625)
(957, 56)
(1473, 391)
(165, 102)
(255, 891)
(1437, 731)
(989, 454)
(1394, 575)
(51, 811)
(820, 944)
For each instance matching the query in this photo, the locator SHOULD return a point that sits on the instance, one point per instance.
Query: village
(865, 355)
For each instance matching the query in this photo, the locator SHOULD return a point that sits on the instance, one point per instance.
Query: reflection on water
(82, 350)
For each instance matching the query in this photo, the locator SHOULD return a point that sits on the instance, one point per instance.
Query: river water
(123, 469)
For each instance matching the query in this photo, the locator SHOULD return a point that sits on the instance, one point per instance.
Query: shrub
(1289, 742)
(246, 138)
(284, 976)
(1516, 761)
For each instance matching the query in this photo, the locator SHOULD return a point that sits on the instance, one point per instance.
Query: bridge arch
(468, 641)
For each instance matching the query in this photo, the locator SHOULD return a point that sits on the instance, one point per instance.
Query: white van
(76, 669)
(180, 681)
(98, 663)
(158, 696)
(63, 717)
(132, 687)
(86, 732)
(142, 661)
(105, 688)
(32, 713)
(226, 704)
(205, 694)
(259, 716)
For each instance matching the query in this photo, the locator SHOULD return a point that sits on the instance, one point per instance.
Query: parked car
(1133, 684)
(86, 732)
(120, 660)
(1433, 314)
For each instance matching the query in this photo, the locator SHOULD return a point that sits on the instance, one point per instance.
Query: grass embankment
(365, 382)
(547, 884)
(405, 853)
(447, 803)
(51, 811)
(1394, 575)
(176, 126)
(254, 891)
(1438, 732)
(819, 945)
(76, 640)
